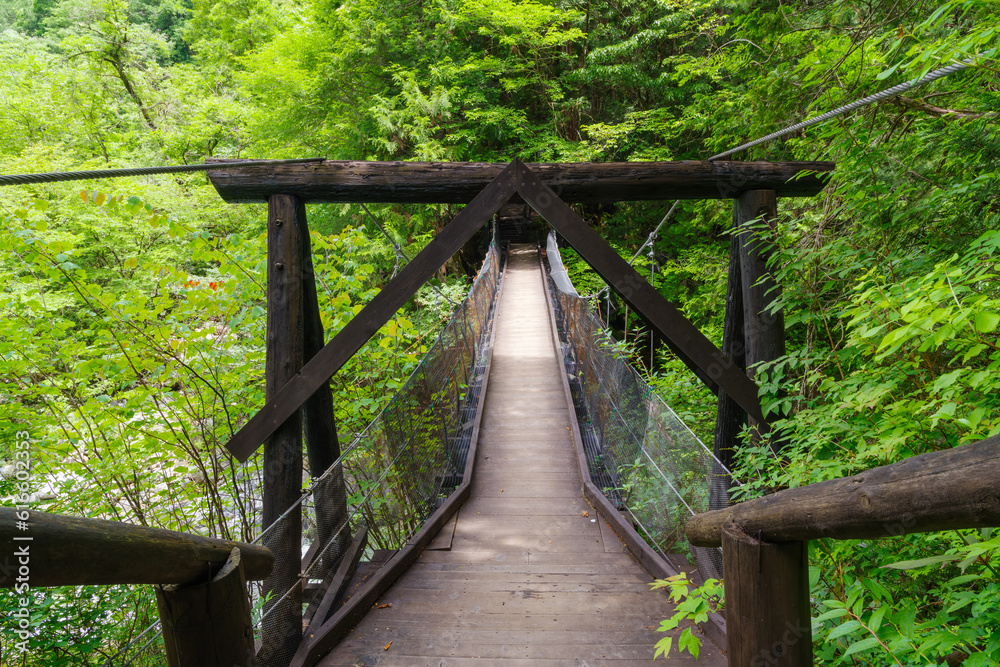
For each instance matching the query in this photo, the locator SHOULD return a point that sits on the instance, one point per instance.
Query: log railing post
(767, 601)
(282, 627)
(764, 330)
(208, 624)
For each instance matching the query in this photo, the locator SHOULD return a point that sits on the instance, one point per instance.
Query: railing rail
(73, 551)
(946, 490)
(201, 593)
(764, 541)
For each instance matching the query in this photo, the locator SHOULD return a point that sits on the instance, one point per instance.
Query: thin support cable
(672, 487)
(401, 254)
(111, 660)
(857, 104)
(839, 111)
(652, 234)
(26, 179)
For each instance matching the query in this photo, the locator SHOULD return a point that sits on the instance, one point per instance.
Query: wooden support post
(767, 602)
(282, 628)
(729, 416)
(208, 624)
(330, 496)
(764, 330)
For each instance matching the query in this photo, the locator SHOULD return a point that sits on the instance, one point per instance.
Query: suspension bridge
(520, 491)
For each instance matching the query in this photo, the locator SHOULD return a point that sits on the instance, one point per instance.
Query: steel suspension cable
(857, 104)
(839, 111)
(27, 179)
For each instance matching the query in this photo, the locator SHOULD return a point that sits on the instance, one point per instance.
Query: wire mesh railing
(390, 478)
(639, 452)
(406, 462)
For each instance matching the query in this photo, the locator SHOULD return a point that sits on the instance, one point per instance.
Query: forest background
(131, 340)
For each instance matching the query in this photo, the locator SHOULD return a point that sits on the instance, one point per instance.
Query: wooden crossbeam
(78, 551)
(461, 182)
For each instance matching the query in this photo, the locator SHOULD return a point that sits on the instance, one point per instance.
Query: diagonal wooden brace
(372, 317)
(715, 369)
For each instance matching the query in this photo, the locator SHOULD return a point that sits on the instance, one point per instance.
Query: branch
(962, 114)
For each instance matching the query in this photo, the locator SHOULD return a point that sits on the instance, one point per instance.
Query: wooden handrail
(58, 550)
(954, 488)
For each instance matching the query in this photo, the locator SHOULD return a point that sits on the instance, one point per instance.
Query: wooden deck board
(529, 579)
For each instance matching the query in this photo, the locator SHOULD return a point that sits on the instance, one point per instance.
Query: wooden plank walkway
(530, 577)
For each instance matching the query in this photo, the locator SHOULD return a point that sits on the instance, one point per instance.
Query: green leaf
(841, 630)
(833, 613)
(688, 641)
(875, 622)
(663, 647)
(923, 562)
(986, 321)
(885, 74)
(863, 645)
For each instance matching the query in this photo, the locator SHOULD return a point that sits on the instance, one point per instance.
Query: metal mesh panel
(394, 474)
(638, 451)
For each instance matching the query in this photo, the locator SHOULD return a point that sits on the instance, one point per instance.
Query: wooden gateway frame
(299, 365)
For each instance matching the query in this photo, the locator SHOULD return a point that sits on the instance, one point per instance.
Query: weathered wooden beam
(950, 489)
(767, 602)
(286, 234)
(764, 327)
(333, 533)
(335, 588)
(729, 416)
(460, 182)
(714, 368)
(208, 624)
(366, 324)
(74, 551)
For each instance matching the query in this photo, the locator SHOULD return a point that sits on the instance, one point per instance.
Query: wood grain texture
(208, 624)
(282, 464)
(460, 182)
(767, 602)
(764, 327)
(528, 579)
(951, 489)
(75, 551)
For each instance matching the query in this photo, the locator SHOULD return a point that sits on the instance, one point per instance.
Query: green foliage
(83, 625)
(931, 611)
(694, 603)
